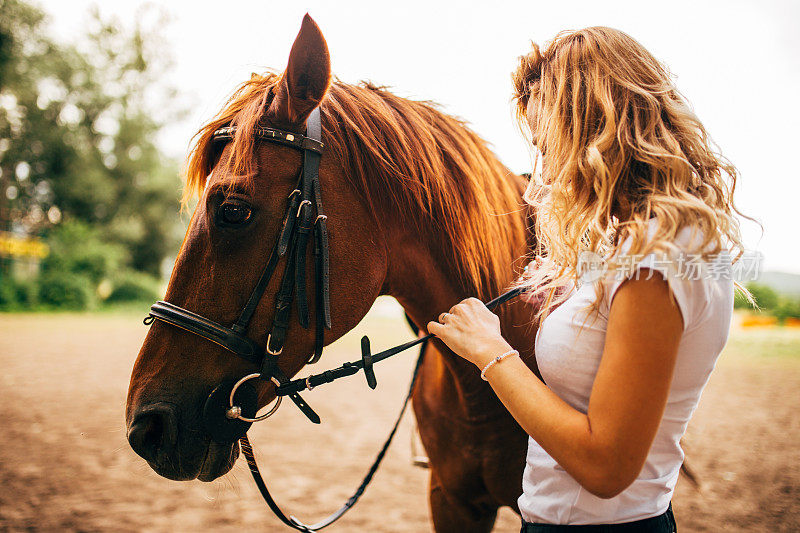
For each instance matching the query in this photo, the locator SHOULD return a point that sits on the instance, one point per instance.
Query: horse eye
(235, 213)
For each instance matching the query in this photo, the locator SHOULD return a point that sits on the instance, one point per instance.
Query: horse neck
(426, 286)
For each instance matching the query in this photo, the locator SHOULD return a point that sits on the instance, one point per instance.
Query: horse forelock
(406, 159)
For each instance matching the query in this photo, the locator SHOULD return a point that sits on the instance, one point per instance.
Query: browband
(295, 140)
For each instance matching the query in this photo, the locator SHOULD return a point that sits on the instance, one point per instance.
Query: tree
(766, 298)
(77, 123)
(787, 308)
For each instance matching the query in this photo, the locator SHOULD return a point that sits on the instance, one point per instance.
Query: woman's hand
(471, 331)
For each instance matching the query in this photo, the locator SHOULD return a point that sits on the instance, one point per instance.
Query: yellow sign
(13, 246)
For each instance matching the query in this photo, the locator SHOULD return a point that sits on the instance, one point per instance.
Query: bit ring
(235, 412)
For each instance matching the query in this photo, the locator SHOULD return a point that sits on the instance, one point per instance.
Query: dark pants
(663, 523)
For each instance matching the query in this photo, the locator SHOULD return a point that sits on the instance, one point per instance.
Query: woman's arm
(605, 449)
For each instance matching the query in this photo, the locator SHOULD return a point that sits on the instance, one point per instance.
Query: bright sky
(737, 62)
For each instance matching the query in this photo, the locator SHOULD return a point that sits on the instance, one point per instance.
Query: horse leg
(451, 514)
(459, 492)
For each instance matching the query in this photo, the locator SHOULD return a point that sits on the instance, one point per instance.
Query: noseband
(231, 408)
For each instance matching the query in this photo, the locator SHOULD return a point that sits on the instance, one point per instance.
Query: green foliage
(26, 294)
(8, 294)
(766, 298)
(787, 308)
(78, 163)
(65, 290)
(81, 251)
(769, 301)
(78, 248)
(18, 25)
(17, 294)
(134, 287)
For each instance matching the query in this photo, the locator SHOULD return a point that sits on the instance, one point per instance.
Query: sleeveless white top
(568, 351)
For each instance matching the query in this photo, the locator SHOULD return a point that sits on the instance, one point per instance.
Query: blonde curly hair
(620, 145)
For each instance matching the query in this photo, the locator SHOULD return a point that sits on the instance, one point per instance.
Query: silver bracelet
(496, 360)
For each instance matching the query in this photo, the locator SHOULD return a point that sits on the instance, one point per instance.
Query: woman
(627, 177)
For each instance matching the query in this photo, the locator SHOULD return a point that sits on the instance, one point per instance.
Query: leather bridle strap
(208, 329)
(278, 250)
(368, 358)
(294, 523)
(307, 201)
(228, 339)
(321, 274)
(305, 220)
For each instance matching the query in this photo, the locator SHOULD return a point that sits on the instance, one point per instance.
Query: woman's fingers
(462, 306)
(435, 328)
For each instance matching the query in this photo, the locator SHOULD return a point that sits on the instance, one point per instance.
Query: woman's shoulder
(694, 275)
(670, 250)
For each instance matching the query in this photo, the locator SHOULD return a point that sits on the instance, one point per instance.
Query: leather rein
(231, 408)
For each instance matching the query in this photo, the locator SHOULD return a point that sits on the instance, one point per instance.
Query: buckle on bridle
(269, 339)
(300, 207)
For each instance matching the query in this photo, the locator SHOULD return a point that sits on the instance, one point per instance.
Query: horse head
(245, 187)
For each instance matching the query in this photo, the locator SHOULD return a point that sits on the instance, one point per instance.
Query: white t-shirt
(568, 351)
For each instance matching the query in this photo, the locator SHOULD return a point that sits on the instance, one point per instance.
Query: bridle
(231, 408)
(304, 215)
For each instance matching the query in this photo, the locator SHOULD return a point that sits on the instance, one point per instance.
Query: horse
(418, 208)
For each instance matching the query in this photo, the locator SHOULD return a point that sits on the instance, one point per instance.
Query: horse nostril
(152, 432)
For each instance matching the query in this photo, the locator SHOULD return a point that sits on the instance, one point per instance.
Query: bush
(8, 294)
(78, 248)
(787, 309)
(133, 286)
(27, 294)
(17, 295)
(765, 297)
(65, 290)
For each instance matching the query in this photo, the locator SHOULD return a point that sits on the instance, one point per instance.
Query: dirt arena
(65, 463)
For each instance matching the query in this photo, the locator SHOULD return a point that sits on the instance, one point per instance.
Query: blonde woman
(628, 177)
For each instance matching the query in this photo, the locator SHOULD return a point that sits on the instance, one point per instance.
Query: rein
(231, 408)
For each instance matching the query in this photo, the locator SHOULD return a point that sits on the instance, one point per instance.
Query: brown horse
(418, 208)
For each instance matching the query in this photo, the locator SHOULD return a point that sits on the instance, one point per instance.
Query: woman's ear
(306, 80)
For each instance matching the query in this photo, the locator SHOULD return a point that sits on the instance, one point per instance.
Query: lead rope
(294, 523)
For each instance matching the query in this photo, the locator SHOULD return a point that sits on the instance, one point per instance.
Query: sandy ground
(65, 463)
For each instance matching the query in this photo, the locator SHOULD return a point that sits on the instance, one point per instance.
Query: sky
(737, 62)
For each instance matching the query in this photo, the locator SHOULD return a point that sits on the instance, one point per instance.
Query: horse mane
(403, 157)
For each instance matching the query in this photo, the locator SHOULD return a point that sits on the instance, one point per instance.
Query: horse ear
(304, 83)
